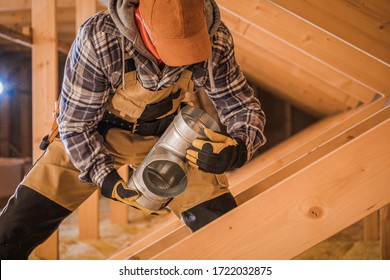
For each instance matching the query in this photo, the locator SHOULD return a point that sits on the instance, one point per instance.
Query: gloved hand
(218, 154)
(114, 187)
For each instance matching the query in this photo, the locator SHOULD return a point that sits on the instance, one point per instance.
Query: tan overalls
(55, 177)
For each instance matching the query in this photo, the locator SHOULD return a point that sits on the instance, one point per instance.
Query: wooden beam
(298, 145)
(267, 164)
(169, 227)
(25, 40)
(84, 9)
(303, 210)
(306, 82)
(89, 210)
(371, 227)
(16, 5)
(89, 218)
(119, 211)
(44, 88)
(290, 81)
(313, 41)
(15, 37)
(380, 8)
(353, 22)
(306, 159)
(385, 232)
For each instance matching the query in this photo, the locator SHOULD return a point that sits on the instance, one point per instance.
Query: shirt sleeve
(85, 91)
(238, 109)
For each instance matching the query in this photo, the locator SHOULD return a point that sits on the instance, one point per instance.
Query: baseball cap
(178, 30)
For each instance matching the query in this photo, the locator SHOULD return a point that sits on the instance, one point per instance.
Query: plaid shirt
(93, 72)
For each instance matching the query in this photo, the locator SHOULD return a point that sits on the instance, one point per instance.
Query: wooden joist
(371, 227)
(298, 145)
(89, 210)
(119, 211)
(302, 162)
(16, 37)
(44, 89)
(26, 40)
(15, 5)
(23, 17)
(273, 162)
(275, 45)
(364, 24)
(303, 209)
(385, 232)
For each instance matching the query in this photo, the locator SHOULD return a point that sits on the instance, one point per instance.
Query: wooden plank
(321, 150)
(298, 86)
(341, 83)
(16, 5)
(307, 82)
(166, 226)
(377, 7)
(44, 89)
(89, 210)
(16, 37)
(26, 40)
(18, 18)
(371, 227)
(84, 9)
(298, 145)
(365, 29)
(89, 218)
(385, 232)
(268, 163)
(23, 17)
(119, 211)
(176, 232)
(319, 44)
(303, 210)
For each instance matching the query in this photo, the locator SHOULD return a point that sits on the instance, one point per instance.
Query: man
(125, 78)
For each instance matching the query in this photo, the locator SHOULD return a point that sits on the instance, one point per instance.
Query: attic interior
(321, 72)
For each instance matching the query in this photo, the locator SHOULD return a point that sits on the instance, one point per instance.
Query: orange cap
(178, 30)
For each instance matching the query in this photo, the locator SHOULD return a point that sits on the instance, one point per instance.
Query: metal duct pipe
(164, 172)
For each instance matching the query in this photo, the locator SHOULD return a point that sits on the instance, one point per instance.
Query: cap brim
(184, 51)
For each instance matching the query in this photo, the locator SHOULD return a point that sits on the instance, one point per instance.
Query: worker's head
(178, 30)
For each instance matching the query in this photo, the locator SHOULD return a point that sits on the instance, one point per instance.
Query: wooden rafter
(16, 5)
(26, 40)
(251, 18)
(15, 37)
(362, 23)
(275, 162)
(44, 89)
(303, 209)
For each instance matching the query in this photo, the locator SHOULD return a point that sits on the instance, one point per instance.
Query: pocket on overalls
(127, 106)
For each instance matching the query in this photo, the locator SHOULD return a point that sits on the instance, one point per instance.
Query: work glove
(217, 154)
(115, 188)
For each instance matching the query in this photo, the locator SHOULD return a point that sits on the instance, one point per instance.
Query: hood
(122, 13)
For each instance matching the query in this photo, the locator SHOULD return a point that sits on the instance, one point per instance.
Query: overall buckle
(135, 127)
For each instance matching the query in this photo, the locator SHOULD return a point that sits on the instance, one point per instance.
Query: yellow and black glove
(217, 154)
(115, 187)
